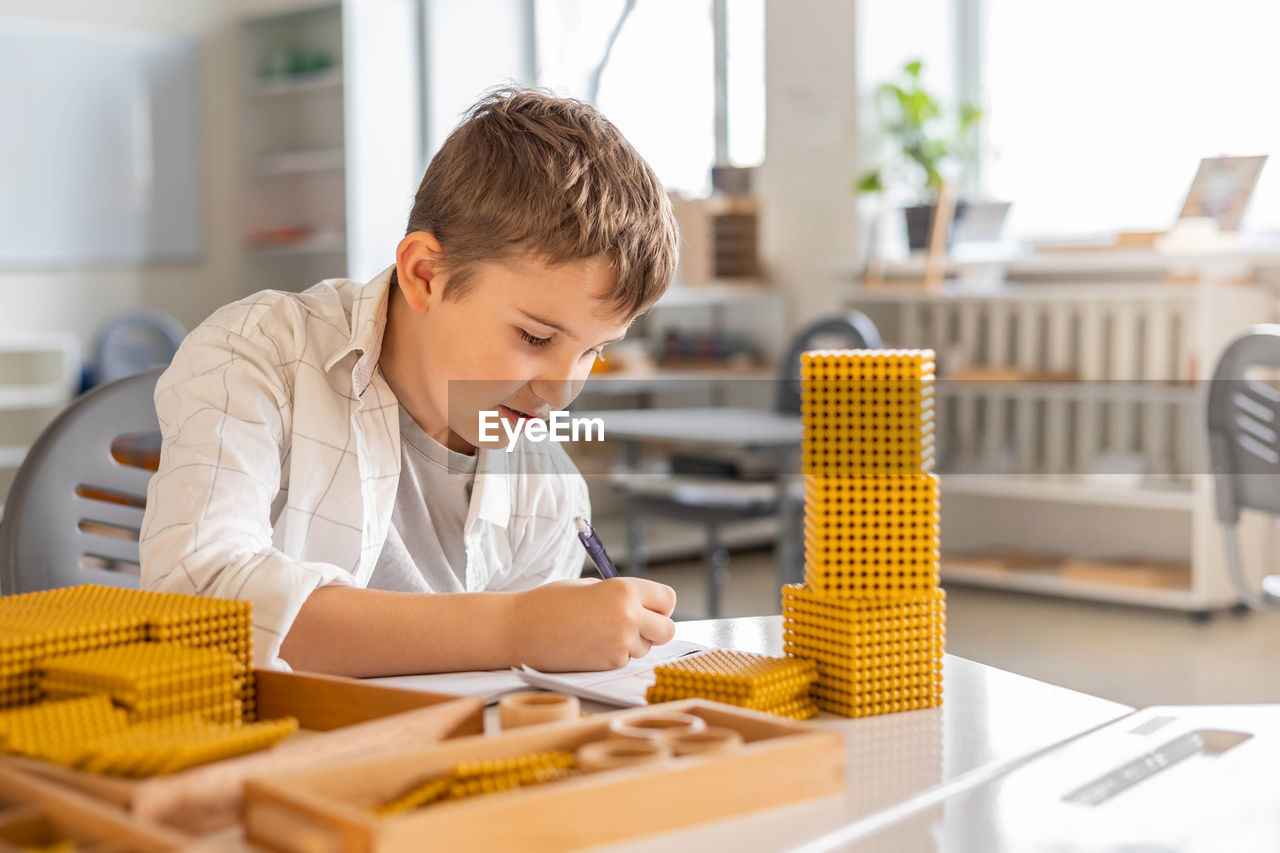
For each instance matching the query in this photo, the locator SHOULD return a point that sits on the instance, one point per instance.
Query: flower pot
(920, 222)
(981, 220)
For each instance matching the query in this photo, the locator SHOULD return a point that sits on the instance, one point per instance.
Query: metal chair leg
(636, 565)
(717, 561)
(790, 541)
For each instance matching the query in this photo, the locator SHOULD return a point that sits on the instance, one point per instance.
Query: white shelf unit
(39, 374)
(330, 157)
(986, 263)
(315, 81)
(1024, 463)
(292, 150)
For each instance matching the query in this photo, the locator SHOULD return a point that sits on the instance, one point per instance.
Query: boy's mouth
(514, 416)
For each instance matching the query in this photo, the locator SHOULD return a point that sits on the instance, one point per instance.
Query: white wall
(808, 214)
(81, 299)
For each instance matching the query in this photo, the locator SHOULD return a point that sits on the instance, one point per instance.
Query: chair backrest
(851, 330)
(74, 511)
(1244, 426)
(136, 341)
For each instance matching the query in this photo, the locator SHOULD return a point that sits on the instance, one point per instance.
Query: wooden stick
(939, 232)
(873, 272)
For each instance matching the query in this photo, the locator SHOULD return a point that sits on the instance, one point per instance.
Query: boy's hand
(580, 625)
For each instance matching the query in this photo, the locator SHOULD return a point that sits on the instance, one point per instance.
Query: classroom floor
(1133, 655)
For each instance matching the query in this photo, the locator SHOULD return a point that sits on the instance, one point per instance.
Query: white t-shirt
(424, 551)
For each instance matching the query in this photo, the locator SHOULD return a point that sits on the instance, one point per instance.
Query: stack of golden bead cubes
(870, 614)
(128, 682)
(777, 686)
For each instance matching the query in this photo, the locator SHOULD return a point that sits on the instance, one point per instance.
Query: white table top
(712, 425)
(989, 721)
(1186, 778)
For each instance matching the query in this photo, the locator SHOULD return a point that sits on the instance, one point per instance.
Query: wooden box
(330, 809)
(337, 717)
(37, 813)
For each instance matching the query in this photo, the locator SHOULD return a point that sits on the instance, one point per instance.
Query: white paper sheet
(625, 686)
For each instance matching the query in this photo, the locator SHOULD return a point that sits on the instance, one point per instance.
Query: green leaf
(871, 182)
(936, 149)
(930, 141)
(970, 115)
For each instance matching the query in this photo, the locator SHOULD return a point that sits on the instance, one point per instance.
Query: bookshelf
(330, 139)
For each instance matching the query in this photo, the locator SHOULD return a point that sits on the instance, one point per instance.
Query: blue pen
(595, 548)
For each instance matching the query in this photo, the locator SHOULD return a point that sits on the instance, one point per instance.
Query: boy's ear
(418, 268)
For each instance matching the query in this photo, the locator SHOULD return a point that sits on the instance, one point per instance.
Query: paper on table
(488, 685)
(623, 686)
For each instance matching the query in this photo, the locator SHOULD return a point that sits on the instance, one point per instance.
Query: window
(744, 32)
(659, 82)
(1098, 112)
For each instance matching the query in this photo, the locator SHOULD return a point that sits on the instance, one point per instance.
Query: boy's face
(521, 340)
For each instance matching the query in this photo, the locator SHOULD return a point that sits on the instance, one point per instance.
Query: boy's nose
(557, 393)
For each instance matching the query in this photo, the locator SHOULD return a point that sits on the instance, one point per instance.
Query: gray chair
(134, 342)
(742, 501)
(1244, 448)
(852, 330)
(74, 511)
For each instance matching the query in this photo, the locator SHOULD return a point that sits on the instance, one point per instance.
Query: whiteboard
(99, 151)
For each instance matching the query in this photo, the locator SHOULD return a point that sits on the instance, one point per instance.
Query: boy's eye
(532, 340)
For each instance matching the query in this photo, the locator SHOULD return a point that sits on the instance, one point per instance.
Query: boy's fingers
(640, 647)
(657, 597)
(656, 628)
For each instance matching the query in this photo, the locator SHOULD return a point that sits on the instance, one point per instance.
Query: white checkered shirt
(281, 459)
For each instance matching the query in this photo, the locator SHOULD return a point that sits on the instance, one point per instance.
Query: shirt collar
(368, 323)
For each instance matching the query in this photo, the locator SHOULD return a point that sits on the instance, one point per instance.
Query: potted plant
(927, 147)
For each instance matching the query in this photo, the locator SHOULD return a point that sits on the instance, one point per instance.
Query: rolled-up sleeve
(225, 412)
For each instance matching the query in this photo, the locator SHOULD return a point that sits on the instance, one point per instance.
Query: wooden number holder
(337, 717)
(35, 813)
(330, 808)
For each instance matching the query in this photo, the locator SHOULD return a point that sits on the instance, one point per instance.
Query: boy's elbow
(170, 562)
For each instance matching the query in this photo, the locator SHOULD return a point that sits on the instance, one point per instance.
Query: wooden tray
(329, 808)
(35, 812)
(338, 718)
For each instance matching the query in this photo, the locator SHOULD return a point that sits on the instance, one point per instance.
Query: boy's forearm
(345, 630)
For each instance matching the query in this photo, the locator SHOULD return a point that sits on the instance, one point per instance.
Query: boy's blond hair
(529, 173)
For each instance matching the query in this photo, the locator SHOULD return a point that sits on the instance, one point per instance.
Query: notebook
(625, 686)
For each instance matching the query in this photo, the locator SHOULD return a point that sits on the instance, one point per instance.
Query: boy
(322, 454)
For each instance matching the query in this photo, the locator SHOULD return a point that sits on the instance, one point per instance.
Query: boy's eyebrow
(553, 324)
